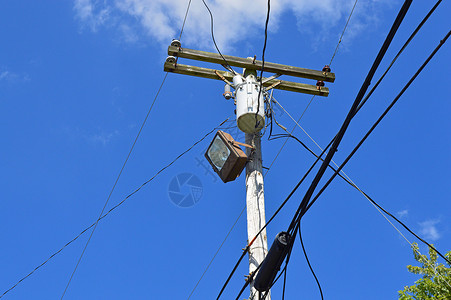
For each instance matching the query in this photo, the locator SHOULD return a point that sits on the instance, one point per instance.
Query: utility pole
(250, 110)
(255, 203)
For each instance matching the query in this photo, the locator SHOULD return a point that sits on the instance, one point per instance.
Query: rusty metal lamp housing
(226, 157)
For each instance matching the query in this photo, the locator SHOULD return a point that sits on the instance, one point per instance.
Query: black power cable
(337, 139)
(374, 87)
(263, 63)
(309, 265)
(291, 243)
(313, 97)
(359, 107)
(412, 35)
(363, 101)
(267, 223)
(227, 65)
(377, 83)
(357, 188)
(441, 43)
(297, 222)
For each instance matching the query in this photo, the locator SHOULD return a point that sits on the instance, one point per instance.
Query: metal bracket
(242, 144)
(273, 85)
(223, 78)
(271, 78)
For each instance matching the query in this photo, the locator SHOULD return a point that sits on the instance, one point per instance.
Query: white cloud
(403, 213)
(4, 75)
(429, 231)
(92, 13)
(12, 77)
(128, 34)
(103, 138)
(234, 20)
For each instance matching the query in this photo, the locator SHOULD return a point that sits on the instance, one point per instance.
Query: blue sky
(76, 81)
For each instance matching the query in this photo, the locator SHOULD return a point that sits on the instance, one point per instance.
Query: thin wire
(284, 282)
(294, 127)
(267, 223)
(374, 203)
(217, 251)
(113, 208)
(339, 136)
(348, 180)
(296, 124)
(128, 156)
(442, 42)
(227, 65)
(342, 33)
(286, 267)
(412, 35)
(115, 183)
(224, 242)
(184, 20)
(363, 102)
(271, 219)
(352, 182)
(337, 139)
(342, 171)
(330, 63)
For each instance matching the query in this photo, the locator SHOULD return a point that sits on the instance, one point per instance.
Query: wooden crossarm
(249, 64)
(274, 83)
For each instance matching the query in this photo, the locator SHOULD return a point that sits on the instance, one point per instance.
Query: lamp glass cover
(218, 153)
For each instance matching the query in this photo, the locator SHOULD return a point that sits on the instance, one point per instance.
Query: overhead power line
(216, 253)
(268, 10)
(114, 185)
(114, 207)
(337, 139)
(227, 65)
(342, 33)
(184, 19)
(340, 134)
(309, 265)
(441, 43)
(378, 81)
(258, 107)
(267, 223)
(412, 35)
(295, 224)
(347, 179)
(126, 160)
(372, 128)
(313, 97)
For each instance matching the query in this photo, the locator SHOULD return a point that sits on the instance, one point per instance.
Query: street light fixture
(226, 157)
